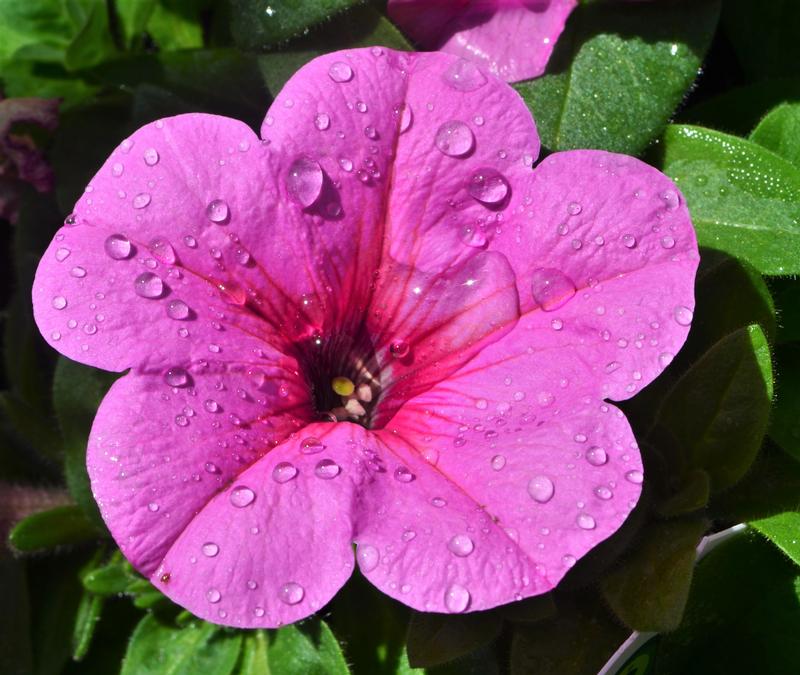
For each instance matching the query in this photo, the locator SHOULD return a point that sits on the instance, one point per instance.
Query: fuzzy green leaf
(57, 527)
(779, 131)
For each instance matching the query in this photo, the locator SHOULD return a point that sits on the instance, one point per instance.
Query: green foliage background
(709, 92)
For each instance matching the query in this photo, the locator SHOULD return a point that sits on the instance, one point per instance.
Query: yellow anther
(343, 386)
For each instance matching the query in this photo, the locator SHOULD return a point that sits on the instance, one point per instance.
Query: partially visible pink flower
(512, 39)
(20, 157)
(385, 257)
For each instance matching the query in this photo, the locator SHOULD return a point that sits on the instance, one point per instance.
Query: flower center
(343, 376)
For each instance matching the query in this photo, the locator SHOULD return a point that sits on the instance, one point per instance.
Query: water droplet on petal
(541, 489)
(368, 557)
(151, 157)
(670, 199)
(399, 349)
(152, 507)
(488, 186)
(340, 72)
(322, 121)
(62, 254)
(573, 208)
(242, 496)
(596, 456)
(456, 598)
(117, 169)
(213, 595)
(210, 549)
(284, 472)
(117, 247)
(438, 502)
(259, 611)
(461, 545)
(464, 75)
(667, 242)
(346, 164)
(683, 315)
(141, 200)
(585, 521)
(291, 593)
(217, 211)
(59, 302)
(403, 475)
(210, 467)
(148, 285)
(634, 476)
(454, 139)
(176, 377)
(569, 560)
(304, 181)
(406, 116)
(665, 358)
(602, 492)
(327, 469)
(628, 240)
(551, 288)
(498, 462)
(178, 310)
(311, 445)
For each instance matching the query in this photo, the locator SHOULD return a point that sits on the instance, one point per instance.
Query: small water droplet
(117, 247)
(556, 324)
(210, 467)
(551, 288)
(573, 208)
(148, 285)
(670, 199)
(596, 456)
(176, 377)
(667, 242)
(464, 75)
(217, 211)
(602, 492)
(399, 349)
(634, 476)
(327, 469)
(340, 72)
(346, 164)
(151, 157)
(683, 315)
(190, 241)
(461, 545)
(628, 240)
(498, 462)
(406, 116)
(210, 549)
(541, 489)
(585, 521)
(117, 169)
(152, 507)
(78, 272)
(258, 612)
(569, 560)
(403, 475)
(211, 405)
(304, 181)
(141, 200)
(454, 139)
(59, 302)
(456, 598)
(62, 254)
(178, 310)
(291, 593)
(665, 358)
(438, 502)
(213, 595)
(488, 186)
(311, 445)
(322, 121)
(284, 472)
(242, 496)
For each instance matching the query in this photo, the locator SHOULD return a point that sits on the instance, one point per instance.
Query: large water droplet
(117, 246)
(454, 138)
(217, 211)
(242, 496)
(368, 557)
(464, 75)
(456, 598)
(176, 377)
(541, 489)
(634, 476)
(178, 310)
(304, 181)
(461, 545)
(210, 549)
(284, 472)
(148, 285)
(327, 469)
(291, 593)
(340, 72)
(311, 445)
(671, 199)
(683, 315)
(403, 475)
(596, 456)
(488, 186)
(551, 288)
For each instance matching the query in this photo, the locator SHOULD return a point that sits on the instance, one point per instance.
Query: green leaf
(744, 199)
(649, 588)
(742, 616)
(618, 73)
(257, 26)
(692, 495)
(785, 424)
(24, 24)
(89, 611)
(132, 17)
(254, 654)
(579, 640)
(57, 527)
(719, 410)
(177, 24)
(764, 36)
(77, 392)
(111, 579)
(783, 530)
(434, 639)
(309, 648)
(779, 132)
(158, 648)
(92, 42)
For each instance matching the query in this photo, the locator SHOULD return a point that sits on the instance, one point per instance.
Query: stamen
(343, 386)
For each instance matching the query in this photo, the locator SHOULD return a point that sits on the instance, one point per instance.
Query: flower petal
(513, 39)
(511, 495)
(606, 262)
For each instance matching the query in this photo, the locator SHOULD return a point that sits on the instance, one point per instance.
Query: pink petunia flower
(385, 257)
(513, 39)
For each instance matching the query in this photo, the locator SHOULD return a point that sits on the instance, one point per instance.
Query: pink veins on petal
(390, 339)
